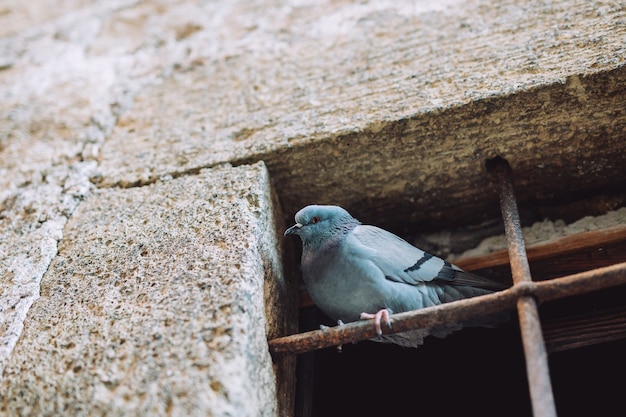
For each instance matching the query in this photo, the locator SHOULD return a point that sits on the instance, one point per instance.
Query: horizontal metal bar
(456, 311)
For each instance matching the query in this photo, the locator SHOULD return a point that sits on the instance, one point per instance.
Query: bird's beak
(293, 230)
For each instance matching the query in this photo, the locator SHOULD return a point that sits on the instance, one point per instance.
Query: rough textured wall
(389, 108)
(393, 106)
(154, 304)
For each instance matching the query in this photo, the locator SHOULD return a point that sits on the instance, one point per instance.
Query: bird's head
(318, 222)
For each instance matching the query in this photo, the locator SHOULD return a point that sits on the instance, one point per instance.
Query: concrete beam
(392, 106)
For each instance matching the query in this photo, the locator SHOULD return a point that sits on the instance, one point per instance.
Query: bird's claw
(324, 327)
(339, 323)
(380, 315)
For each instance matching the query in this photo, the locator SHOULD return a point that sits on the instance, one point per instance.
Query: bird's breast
(341, 287)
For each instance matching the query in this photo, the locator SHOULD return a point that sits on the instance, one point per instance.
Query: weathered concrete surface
(155, 304)
(388, 108)
(31, 224)
(55, 113)
(392, 104)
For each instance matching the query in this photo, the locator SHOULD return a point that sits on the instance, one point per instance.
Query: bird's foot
(324, 327)
(380, 315)
(339, 323)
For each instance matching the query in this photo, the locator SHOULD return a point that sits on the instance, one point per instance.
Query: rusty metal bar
(530, 325)
(457, 311)
(417, 319)
(512, 226)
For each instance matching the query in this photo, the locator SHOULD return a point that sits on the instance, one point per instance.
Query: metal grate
(524, 295)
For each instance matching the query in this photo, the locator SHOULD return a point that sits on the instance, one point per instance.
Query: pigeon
(354, 271)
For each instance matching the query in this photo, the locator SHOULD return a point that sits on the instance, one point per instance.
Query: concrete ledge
(155, 304)
(391, 105)
(428, 171)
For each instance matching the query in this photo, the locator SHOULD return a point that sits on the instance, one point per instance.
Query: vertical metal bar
(530, 325)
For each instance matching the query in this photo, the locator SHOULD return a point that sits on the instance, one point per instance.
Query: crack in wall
(32, 230)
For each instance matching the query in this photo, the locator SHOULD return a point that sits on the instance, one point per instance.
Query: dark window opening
(582, 325)
(476, 370)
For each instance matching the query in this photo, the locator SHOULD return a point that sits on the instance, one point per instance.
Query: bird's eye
(315, 219)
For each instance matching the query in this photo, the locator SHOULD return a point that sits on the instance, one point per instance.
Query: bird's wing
(402, 262)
